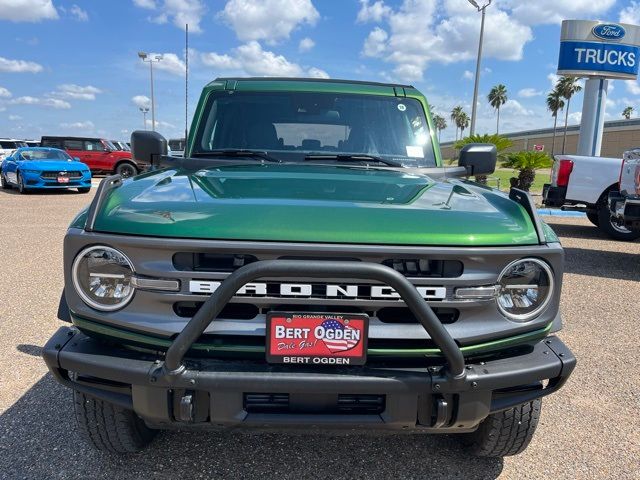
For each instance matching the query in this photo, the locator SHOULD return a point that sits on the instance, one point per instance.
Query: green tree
(555, 104)
(456, 113)
(626, 113)
(526, 162)
(440, 123)
(502, 143)
(497, 97)
(567, 86)
(463, 122)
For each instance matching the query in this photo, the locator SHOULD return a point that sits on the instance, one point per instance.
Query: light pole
(144, 111)
(150, 58)
(481, 9)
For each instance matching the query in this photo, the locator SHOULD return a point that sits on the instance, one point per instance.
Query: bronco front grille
(342, 404)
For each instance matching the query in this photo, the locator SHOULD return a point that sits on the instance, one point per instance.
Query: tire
(84, 189)
(126, 170)
(3, 182)
(505, 433)
(613, 230)
(592, 215)
(109, 427)
(21, 188)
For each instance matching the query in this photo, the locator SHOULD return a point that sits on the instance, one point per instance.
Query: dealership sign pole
(598, 51)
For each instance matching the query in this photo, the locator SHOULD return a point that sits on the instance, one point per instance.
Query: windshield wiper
(237, 152)
(351, 157)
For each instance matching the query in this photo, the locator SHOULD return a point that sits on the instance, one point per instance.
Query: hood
(53, 165)
(311, 203)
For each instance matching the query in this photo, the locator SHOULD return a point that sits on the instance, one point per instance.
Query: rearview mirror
(147, 147)
(478, 158)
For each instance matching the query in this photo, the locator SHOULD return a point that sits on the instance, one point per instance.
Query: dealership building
(618, 136)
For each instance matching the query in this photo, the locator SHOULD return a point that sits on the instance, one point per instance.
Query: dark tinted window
(94, 146)
(74, 144)
(7, 145)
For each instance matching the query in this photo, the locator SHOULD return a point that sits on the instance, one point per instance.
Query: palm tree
(555, 103)
(440, 123)
(463, 122)
(455, 118)
(501, 143)
(526, 162)
(626, 113)
(497, 97)
(567, 86)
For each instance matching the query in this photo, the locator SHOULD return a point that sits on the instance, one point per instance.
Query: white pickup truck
(625, 204)
(583, 184)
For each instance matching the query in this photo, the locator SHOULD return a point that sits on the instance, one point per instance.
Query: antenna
(186, 86)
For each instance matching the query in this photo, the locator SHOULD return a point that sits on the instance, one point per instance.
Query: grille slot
(424, 268)
(345, 404)
(404, 315)
(234, 311)
(361, 404)
(54, 175)
(210, 262)
(266, 402)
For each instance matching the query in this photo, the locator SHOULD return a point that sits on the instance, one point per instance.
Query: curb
(560, 213)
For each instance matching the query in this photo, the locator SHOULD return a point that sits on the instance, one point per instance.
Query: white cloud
(424, 31)
(632, 87)
(376, 43)
(27, 10)
(252, 59)
(374, 12)
(148, 4)
(314, 72)
(306, 44)
(529, 92)
(77, 92)
(554, 11)
(468, 75)
(44, 102)
(269, 20)
(171, 63)
(19, 66)
(575, 118)
(14, 118)
(86, 125)
(79, 14)
(553, 80)
(631, 14)
(516, 108)
(4, 93)
(141, 101)
(160, 124)
(179, 12)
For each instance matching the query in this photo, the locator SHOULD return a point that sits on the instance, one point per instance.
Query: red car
(99, 154)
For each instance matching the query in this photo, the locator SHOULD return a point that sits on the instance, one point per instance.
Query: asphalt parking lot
(590, 429)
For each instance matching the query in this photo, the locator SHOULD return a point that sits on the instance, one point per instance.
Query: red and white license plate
(63, 179)
(317, 338)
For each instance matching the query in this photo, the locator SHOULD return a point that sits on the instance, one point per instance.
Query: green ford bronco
(309, 262)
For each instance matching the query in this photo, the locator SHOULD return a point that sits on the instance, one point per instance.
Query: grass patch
(504, 174)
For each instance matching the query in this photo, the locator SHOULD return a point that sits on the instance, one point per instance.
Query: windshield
(290, 126)
(44, 155)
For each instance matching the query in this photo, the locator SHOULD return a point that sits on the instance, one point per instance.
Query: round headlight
(526, 287)
(102, 278)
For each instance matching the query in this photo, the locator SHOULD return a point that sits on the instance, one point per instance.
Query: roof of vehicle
(39, 148)
(307, 84)
(72, 138)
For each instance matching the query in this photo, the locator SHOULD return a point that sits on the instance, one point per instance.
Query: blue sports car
(31, 168)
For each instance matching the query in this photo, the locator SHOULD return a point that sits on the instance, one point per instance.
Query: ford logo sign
(609, 31)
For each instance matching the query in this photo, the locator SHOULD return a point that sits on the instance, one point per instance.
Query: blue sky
(71, 67)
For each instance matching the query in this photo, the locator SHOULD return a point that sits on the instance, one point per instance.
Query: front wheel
(4, 183)
(505, 433)
(21, 187)
(608, 225)
(592, 216)
(109, 427)
(126, 170)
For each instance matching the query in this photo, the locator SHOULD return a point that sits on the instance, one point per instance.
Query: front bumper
(213, 393)
(625, 210)
(35, 180)
(174, 390)
(553, 196)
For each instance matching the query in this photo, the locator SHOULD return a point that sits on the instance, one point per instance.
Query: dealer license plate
(63, 179)
(317, 338)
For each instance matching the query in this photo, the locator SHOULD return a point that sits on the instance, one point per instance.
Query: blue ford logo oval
(609, 31)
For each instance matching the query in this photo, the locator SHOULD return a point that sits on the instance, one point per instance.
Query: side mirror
(478, 158)
(77, 159)
(147, 147)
